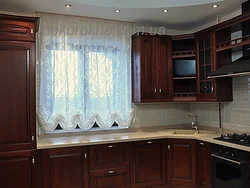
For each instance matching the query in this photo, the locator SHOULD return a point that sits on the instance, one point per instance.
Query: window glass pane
(65, 70)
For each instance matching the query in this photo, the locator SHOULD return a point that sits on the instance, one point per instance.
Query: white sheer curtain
(84, 72)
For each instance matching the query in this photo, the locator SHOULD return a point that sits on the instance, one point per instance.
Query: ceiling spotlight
(165, 11)
(68, 5)
(215, 6)
(117, 11)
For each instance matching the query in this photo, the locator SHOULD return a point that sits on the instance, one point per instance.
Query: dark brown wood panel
(203, 165)
(64, 168)
(18, 169)
(148, 68)
(18, 28)
(181, 162)
(111, 155)
(164, 71)
(111, 178)
(17, 96)
(149, 163)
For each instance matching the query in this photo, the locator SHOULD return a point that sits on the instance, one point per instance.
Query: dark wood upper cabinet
(18, 169)
(17, 96)
(213, 90)
(149, 163)
(17, 82)
(18, 28)
(64, 168)
(181, 162)
(150, 69)
(203, 165)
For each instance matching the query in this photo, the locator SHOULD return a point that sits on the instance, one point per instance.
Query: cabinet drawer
(108, 156)
(110, 178)
(17, 30)
(146, 143)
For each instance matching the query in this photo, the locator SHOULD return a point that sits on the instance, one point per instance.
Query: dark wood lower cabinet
(181, 162)
(149, 163)
(203, 165)
(112, 178)
(18, 169)
(144, 164)
(65, 168)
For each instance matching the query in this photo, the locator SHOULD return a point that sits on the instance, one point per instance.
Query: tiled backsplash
(234, 115)
(161, 114)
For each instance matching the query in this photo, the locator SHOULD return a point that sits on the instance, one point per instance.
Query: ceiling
(182, 15)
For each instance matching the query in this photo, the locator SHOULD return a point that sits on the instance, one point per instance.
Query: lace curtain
(84, 72)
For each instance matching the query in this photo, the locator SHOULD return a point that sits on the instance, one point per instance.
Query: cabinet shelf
(181, 54)
(184, 99)
(233, 43)
(184, 78)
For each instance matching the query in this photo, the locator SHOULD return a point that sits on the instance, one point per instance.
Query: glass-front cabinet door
(205, 86)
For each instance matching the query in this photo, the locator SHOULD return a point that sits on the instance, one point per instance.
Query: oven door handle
(225, 159)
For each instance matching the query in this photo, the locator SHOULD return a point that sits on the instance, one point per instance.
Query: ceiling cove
(142, 3)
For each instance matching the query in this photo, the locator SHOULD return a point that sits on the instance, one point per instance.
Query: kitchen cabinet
(65, 167)
(151, 65)
(213, 90)
(18, 169)
(203, 165)
(149, 163)
(110, 155)
(110, 165)
(181, 162)
(112, 178)
(17, 82)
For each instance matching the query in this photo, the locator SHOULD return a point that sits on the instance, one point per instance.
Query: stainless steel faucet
(194, 123)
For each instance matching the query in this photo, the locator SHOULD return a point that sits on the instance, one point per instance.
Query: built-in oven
(230, 167)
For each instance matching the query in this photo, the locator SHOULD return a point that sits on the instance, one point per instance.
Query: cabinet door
(111, 155)
(203, 165)
(111, 178)
(17, 96)
(205, 65)
(148, 69)
(64, 168)
(18, 169)
(17, 30)
(181, 162)
(149, 168)
(164, 70)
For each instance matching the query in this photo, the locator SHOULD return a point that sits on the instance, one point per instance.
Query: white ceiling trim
(143, 3)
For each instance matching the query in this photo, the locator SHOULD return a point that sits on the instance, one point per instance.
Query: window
(84, 73)
(65, 67)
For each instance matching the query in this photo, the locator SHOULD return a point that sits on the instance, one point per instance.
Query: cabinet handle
(212, 89)
(169, 147)
(149, 142)
(155, 90)
(33, 160)
(32, 31)
(111, 172)
(201, 143)
(160, 90)
(110, 146)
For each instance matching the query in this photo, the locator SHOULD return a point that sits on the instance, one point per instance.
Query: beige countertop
(127, 135)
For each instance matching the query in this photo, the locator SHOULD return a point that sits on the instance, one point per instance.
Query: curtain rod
(37, 12)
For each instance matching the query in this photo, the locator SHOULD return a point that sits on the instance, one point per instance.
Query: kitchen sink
(185, 132)
(191, 132)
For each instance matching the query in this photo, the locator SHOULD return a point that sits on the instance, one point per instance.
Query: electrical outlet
(137, 120)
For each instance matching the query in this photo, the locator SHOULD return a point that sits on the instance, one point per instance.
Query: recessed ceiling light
(68, 5)
(215, 6)
(117, 11)
(165, 11)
